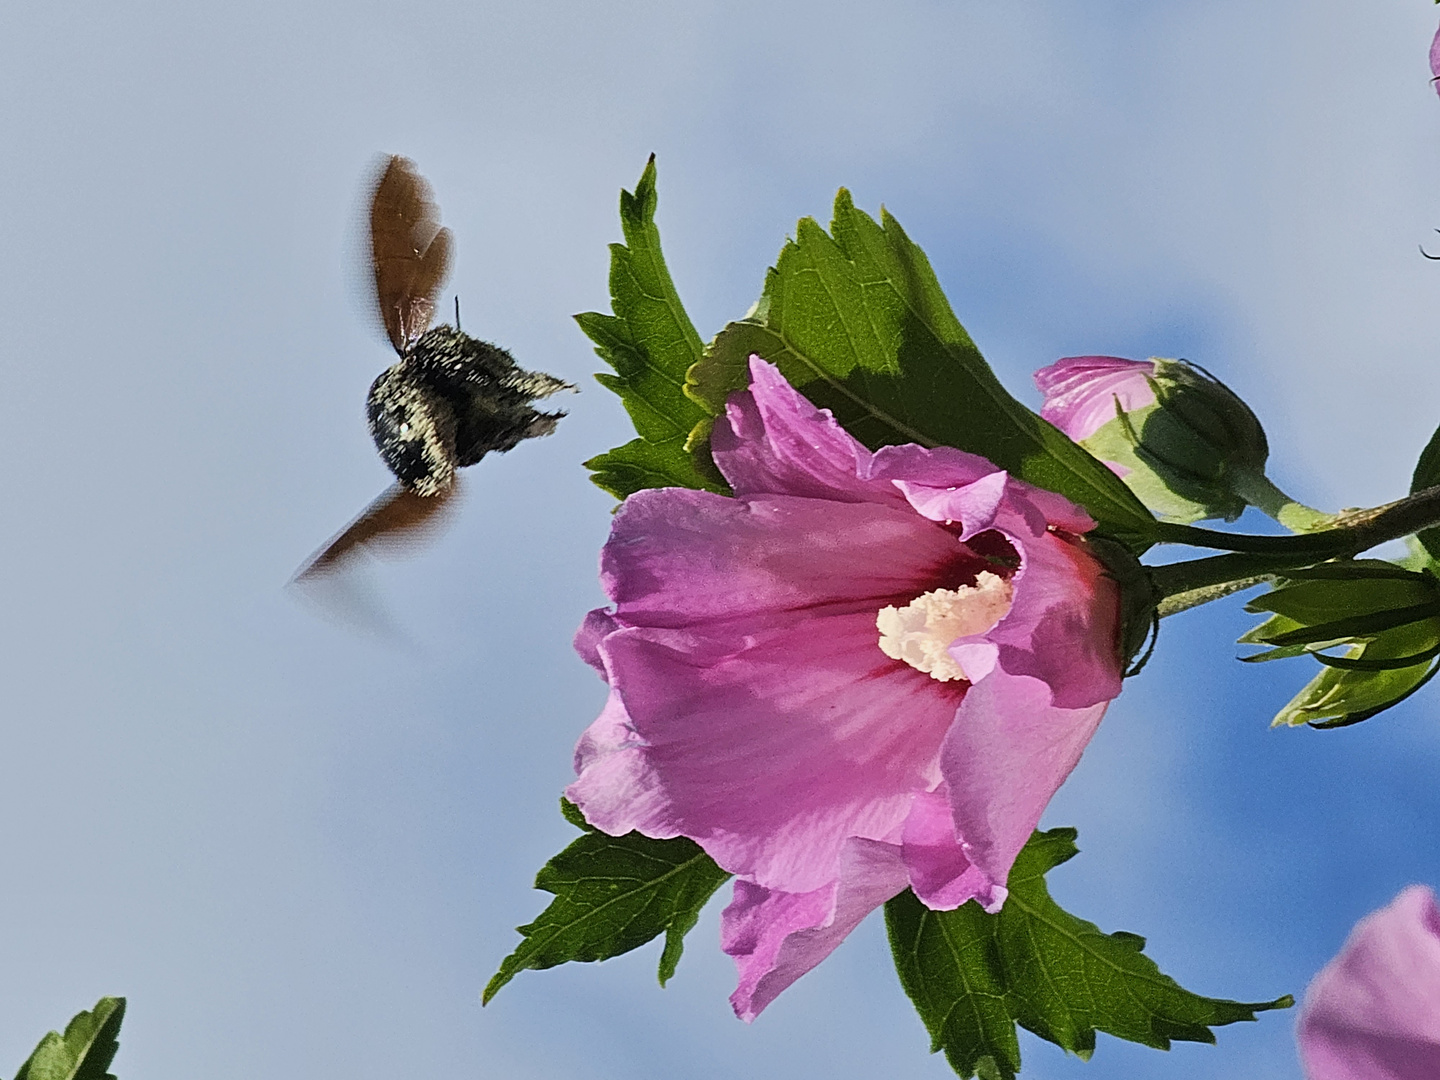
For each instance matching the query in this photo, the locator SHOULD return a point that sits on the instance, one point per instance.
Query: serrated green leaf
(857, 320)
(86, 1049)
(638, 465)
(614, 894)
(974, 976)
(571, 813)
(651, 343)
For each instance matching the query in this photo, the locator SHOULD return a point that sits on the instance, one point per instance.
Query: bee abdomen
(492, 396)
(414, 430)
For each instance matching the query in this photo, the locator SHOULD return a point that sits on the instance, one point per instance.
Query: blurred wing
(410, 252)
(393, 522)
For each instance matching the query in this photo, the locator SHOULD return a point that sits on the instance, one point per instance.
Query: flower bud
(1181, 439)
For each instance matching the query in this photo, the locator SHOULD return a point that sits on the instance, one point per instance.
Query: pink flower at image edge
(1435, 61)
(1080, 391)
(1373, 1012)
(754, 709)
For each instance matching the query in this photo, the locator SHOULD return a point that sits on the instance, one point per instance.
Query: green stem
(1256, 556)
(1175, 603)
(1255, 488)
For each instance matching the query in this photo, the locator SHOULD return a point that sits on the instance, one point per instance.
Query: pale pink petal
(972, 506)
(1373, 1013)
(617, 791)
(922, 473)
(976, 656)
(1007, 753)
(932, 466)
(775, 937)
(597, 624)
(1080, 391)
(772, 440)
(941, 874)
(774, 748)
(682, 558)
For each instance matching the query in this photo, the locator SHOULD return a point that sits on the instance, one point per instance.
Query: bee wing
(409, 250)
(394, 521)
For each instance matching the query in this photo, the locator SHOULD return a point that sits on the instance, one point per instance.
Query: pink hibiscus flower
(862, 672)
(1435, 61)
(1373, 1013)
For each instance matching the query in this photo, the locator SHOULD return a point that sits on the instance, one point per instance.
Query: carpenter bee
(450, 399)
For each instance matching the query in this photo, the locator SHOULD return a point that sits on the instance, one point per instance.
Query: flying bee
(450, 399)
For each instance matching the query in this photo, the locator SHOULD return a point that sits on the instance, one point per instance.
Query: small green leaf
(1356, 626)
(974, 976)
(1338, 697)
(86, 1049)
(1315, 599)
(857, 321)
(651, 343)
(613, 894)
(1427, 474)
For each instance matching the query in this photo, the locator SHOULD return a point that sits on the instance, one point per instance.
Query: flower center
(920, 633)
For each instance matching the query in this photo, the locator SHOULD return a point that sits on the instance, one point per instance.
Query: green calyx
(1182, 451)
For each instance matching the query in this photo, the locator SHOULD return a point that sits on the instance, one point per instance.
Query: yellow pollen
(920, 633)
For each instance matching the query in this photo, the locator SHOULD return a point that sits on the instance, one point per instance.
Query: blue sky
(300, 848)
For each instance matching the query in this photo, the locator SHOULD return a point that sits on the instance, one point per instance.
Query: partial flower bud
(1180, 438)
(1435, 61)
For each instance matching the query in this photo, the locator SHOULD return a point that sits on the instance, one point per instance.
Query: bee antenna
(457, 312)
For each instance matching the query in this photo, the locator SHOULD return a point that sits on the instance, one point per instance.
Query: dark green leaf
(613, 894)
(1353, 569)
(1355, 626)
(974, 976)
(86, 1049)
(1427, 474)
(1351, 663)
(650, 342)
(856, 319)
(1322, 599)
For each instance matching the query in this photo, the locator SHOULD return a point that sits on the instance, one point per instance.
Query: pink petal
(617, 790)
(597, 624)
(974, 505)
(773, 748)
(1373, 1013)
(1007, 753)
(775, 937)
(1435, 59)
(921, 473)
(773, 441)
(1061, 628)
(940, 873)
(1080, 391)
(683, 558)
